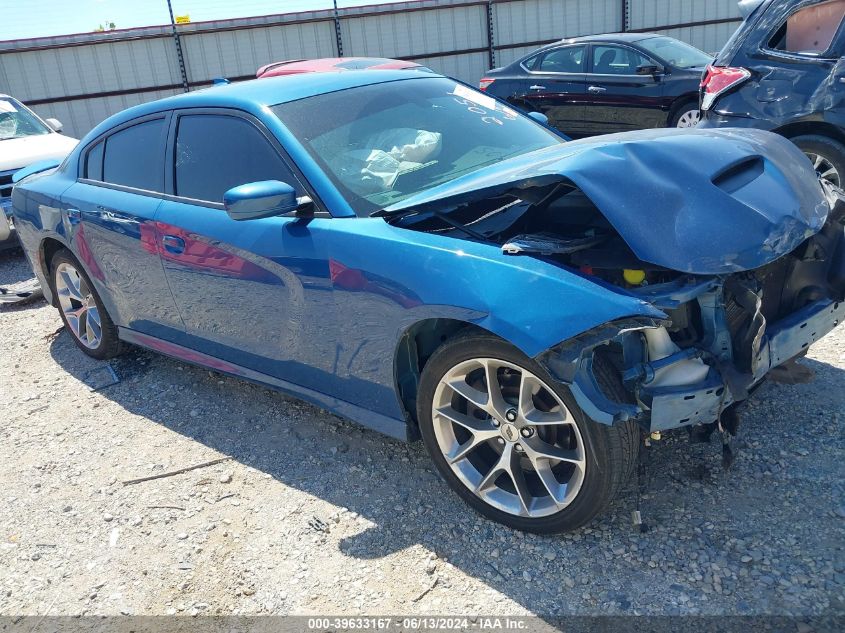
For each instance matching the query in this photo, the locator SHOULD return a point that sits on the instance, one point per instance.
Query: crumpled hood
(16, 153)
(696, 201)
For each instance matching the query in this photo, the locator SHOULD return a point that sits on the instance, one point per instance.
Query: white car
(24, 139)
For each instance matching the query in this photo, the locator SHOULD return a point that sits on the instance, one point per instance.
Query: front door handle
(536, 87)
(174, 245)
(596, 89)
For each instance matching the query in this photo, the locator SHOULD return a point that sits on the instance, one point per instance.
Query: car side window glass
(562, 60)
(134, 156)
(94, 162)
(215, 153)
(617, 60)
(531, 62)
(809, 30)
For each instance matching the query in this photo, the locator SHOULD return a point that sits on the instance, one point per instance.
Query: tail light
(485, 83)
(718, 80)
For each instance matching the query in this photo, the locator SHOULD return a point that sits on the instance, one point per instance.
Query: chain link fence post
(178, 43)
(491, 35)
(337, 34)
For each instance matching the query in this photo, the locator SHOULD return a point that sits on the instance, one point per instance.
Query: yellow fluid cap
(634, 277)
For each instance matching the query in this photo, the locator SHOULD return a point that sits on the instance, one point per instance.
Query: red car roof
(332, 64)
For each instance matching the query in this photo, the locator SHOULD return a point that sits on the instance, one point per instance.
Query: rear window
(809, 30)
(94, 162)
(134, 157)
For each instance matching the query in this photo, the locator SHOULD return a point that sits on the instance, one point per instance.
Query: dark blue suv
(784, 71)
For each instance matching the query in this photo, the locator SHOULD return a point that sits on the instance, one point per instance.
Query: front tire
(826, 154)
(521, 453)
(81, 308)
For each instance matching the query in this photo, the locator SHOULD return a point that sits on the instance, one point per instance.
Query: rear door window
(134, 156)
(810, 29)
(561, 60)
(215, 153)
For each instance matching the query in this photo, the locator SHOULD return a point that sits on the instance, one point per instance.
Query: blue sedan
(421, 258)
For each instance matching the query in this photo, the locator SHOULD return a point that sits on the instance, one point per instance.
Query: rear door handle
(536, 87)
(173, 244)
(596, 89)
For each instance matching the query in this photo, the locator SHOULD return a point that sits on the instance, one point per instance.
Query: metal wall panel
(415, 33)
(535, 20)
(239, 53)
(75, 70)
(114, 70)
(709, 37)
(80, 116)
(647, 14)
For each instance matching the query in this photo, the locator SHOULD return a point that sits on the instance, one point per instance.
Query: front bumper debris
(664, 408)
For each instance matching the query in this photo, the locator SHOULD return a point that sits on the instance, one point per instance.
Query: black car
(606, 83)
(783, 71)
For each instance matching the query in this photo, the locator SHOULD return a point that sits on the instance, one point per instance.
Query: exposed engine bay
(723, 333)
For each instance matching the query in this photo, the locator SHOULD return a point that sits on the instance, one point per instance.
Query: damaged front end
(724, 334)
(731, 235)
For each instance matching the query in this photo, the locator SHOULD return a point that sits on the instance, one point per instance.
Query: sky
(39, 18)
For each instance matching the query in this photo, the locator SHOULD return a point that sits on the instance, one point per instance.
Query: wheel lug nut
(518, 448)
(501, 441)
(511, 415)
(527, 432)
(495, 422)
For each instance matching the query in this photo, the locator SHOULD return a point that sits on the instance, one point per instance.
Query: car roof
(606, 37)
(619, 37)
(340, 63)
(257, 94)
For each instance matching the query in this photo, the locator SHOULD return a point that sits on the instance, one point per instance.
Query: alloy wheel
(690, 118)
(77, 303)
(508, 437)
(825, 169)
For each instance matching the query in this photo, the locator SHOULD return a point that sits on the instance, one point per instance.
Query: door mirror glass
(648, 69)
(54, 124)
(263, 199)
(539, 117)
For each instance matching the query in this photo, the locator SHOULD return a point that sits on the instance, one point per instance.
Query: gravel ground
(314, 515)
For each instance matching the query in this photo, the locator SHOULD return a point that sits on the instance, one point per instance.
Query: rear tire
(685, 115)
(826, 154)
(81, 308)
(592, 461)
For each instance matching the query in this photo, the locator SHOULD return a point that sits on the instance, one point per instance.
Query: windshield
(676, 53)
(16, 121)
(383, 143)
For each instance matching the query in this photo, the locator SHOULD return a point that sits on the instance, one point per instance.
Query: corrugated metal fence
(82, 79)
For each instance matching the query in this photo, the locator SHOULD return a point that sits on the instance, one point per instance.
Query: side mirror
(54, 124)
(649, 69)
(263, 199)
(539, 117)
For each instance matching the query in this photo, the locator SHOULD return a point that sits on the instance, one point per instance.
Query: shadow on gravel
(702, 519)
